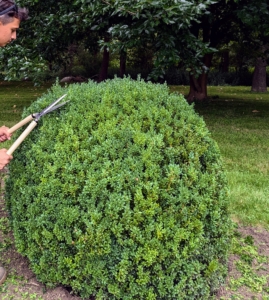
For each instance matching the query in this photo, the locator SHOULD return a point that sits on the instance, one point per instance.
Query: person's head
(10, 18)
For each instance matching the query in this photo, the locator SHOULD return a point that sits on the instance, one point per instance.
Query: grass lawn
(14, 96)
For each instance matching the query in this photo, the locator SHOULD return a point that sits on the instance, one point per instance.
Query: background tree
(217, 28)
(48, 34)
(254, 17)
(156, 23)
(182, 33)
(54, 25)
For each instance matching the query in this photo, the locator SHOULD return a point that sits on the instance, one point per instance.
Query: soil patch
(252, 281)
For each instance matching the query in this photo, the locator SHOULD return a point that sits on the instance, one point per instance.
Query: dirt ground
(261, 241)
(21, 283)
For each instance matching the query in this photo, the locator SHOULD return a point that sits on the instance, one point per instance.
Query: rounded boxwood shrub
(121, 194)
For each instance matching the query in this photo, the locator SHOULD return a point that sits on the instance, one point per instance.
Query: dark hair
(9, 10)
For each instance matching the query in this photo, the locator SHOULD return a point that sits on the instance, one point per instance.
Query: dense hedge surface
(121, 194)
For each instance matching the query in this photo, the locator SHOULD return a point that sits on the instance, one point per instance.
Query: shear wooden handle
(21, 123)
(22, 137)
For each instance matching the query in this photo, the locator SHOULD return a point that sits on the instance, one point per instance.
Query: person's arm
(4, 134)
(4, 158)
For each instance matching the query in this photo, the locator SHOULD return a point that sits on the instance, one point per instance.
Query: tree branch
(129, 12)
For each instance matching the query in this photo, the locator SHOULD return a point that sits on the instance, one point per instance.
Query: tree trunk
(105, 63)
(123, 57)
(198, 86)
(259, 76)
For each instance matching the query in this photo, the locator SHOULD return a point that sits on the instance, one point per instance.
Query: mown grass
(239, 120)
(14, 97)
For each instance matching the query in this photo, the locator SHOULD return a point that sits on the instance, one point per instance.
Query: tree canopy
(163, 24)
(178, 32)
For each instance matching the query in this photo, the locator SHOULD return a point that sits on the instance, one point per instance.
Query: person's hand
(4, 134)
(4, 158)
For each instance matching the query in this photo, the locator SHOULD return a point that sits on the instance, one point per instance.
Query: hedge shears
(34, 118)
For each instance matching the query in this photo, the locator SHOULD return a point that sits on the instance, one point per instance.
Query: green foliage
(254, 24)
(161, 25)
(119, 25)
(121, 195)
(177, 32)
(18, 64)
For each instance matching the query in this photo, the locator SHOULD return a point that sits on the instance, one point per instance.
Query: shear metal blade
(55, 107)
(51, 106)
